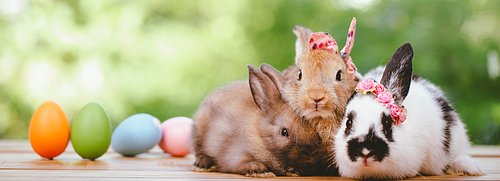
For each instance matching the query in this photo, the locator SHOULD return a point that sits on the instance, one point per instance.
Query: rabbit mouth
(313, 113)
(317, 110)
(317, 106)
(366, 160)
(317, 114)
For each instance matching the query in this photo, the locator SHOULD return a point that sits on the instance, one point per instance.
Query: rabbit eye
(387, 122)
(339, 75)
(284, 132)
(387, 126)
(300, 75)
(348, 123)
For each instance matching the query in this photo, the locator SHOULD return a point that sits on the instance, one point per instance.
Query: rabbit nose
(317, 94)
(313, 153)
(310, 156)
(316, 100)
(365, 152)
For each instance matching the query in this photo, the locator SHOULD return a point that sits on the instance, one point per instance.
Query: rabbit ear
(344, 53)
(264, 92)
(302, 43)
(276, 76)
(398, 72)
(350, 39)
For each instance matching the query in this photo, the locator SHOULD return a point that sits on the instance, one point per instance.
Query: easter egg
(176, 136)
(91, 131)
(136, 134)
(49, 130)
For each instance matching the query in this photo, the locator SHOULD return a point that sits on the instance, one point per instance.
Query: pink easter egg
(176, 136)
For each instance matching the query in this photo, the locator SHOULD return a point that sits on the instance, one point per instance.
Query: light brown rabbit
(322, 80)
(248, 128)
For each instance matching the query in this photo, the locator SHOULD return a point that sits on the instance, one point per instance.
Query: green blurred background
(163, 57)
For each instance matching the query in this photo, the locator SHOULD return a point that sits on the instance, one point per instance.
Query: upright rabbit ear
(276, 76)
(350, 39)
(302, 43)
(398, 72)
(344, 53)
(264, 92)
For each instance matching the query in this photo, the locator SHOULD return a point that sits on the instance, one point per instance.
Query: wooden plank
(19, 162)
(108, 175)
(109, 161)
(484, 151)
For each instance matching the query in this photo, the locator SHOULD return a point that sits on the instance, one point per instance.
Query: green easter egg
(91, 131)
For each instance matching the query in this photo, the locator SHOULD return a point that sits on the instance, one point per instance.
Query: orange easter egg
(49, 130)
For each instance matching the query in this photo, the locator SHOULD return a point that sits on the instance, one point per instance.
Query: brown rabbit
(322, 80)
(248, 128)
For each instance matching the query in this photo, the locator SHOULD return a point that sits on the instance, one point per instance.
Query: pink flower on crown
(366, 86)
(379, 88)
(394, 111)
(385, 98)
(402, 115)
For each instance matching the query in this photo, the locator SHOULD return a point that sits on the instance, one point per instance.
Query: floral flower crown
(398, 113)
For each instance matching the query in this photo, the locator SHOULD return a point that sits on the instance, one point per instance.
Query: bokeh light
(163, 57)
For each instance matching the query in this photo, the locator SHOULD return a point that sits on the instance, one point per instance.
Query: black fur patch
(449, 119)
(378, 148)
(350, 119)
(387, 124)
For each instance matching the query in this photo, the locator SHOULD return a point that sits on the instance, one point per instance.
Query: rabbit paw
(464, 165)
(204, 162)
(211, 169)
(261, 175)
(291, 172)
(255, 169)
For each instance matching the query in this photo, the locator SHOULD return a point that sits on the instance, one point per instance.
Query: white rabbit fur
(432, 140)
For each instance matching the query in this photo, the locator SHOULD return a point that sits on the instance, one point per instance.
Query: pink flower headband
(398, 114)
(321, 40)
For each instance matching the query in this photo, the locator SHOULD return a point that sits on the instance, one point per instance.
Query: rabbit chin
(371, 169)
(317, 113)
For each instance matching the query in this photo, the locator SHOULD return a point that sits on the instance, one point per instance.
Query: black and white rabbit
(432, 140)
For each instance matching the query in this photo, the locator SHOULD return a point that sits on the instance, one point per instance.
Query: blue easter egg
(136, 134)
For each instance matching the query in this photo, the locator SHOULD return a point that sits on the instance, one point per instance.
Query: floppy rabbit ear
(264, 92)
(276, 76)
(302, 43)
(398, 72)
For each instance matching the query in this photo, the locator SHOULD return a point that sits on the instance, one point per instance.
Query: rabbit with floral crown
(398, 125)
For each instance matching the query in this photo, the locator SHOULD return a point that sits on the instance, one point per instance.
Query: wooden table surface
(18, 161)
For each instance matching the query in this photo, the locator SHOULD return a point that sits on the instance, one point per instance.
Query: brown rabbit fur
(318, 86)
(248, 128)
